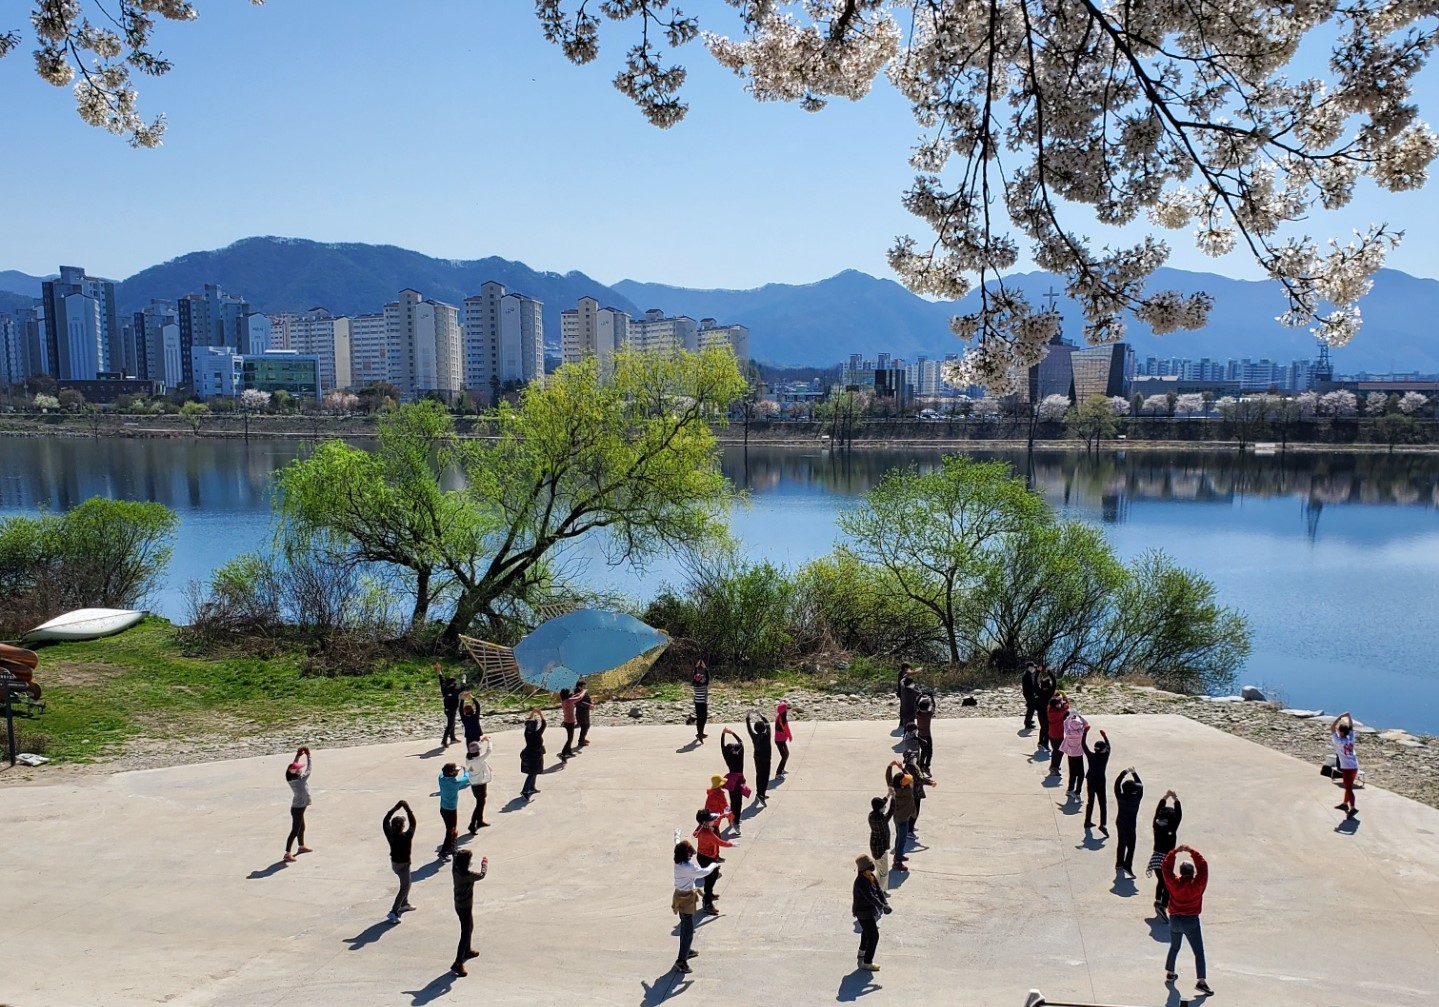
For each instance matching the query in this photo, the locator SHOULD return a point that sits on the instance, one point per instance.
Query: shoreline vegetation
(137, 701)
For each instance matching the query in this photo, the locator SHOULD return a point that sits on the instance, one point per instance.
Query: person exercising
(1128, 794)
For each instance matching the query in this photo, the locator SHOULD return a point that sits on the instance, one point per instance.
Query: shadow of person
(369, 935)
(1070, 807)
(670, 984)
(514, 804)
(268, 872)
(1347, 827)
(1024, 732)
(1178, 999)
(1123, 886)
(693, 744)
(1091, 841)
(433, 753)
(858, 983)
(1158, 928)
(897, 879)
(1051, 781)
(433, 990)
(428, 870)
(1039, 755)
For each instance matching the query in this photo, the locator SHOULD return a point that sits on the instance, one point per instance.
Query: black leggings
(467, 930)
(1124, 853)
(868, 939)
(1031, 710)
(450, 816)
(584, 729)
(449, 734)
(710, 878)
(926, 749)
(1161, 890)
(1055, 755)
(702, 715)
(297, 828)
(1076, 773)
(783, 747)
(1096, 791)
(761, 772)
(480, 790)
(569, 740)
(736, 800)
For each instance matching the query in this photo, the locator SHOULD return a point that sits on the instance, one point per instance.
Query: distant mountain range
(815, 323)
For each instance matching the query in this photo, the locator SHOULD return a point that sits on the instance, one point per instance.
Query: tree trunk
(422, 600)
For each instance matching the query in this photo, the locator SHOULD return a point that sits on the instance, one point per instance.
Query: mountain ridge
(816, 323)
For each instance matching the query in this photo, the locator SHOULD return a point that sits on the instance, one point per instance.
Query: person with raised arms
(400, 838)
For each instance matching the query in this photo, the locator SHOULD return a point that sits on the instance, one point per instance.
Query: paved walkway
(166, 886)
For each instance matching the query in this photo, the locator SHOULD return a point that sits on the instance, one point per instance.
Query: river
(1334, 557)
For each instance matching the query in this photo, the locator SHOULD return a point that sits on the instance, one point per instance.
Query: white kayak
(86, 624)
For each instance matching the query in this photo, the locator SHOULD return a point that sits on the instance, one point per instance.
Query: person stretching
(1186, 902)
(1341, 736)
(568, 722)
(701, 683)
(1045, 688)
(532, 756)
(465, 905)
(399, 836)
(1073, 747)
(869, 904)
(450, 696)
(478, 768)
(470, 717)
(1095, 778)
(717, 798)
(759, 736)
(782, 735)
(709, 843)
(1166, 835)
(1029, 686)
(921, 781)
(733, 752)
(453, 782)
(685, 902)
(901, 789)
(1128, 793)
(297, 775)
(1054, 715)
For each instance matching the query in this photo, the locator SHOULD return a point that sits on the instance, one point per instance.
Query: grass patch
(104, 692)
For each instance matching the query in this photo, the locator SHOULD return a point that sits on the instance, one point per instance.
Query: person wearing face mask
(1096, 780)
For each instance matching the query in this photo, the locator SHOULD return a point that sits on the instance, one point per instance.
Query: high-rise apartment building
(215, 318)
(369, 350)
(521, 342)
(22, 345)
(155, 336)
(82, 330)
(588, 330)
(482, 336)
(655, 332)
(1105, 370)
(425, 344)
(324, 336)
(712, 333)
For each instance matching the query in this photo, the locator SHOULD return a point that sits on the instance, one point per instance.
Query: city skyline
(768, 174)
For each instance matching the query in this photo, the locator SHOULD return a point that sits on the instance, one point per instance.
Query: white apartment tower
(736, 337)
(656, 332)
(504, 338)
(426, 346)
(589, 330)
(369, 350)
(326, 337)
(482, 329)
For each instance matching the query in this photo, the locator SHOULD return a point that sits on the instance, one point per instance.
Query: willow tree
(630, 460)
(1038, 119)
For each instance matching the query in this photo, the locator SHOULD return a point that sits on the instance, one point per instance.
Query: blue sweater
(451, 787)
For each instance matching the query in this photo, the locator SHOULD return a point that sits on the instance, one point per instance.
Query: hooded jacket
(1073, 743)
(1054, 716)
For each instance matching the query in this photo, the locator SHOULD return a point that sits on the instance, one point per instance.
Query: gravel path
(1394, 760)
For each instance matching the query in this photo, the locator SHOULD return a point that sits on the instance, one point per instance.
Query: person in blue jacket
(453, 781)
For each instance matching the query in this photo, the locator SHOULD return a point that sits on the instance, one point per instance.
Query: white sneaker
(393, 917)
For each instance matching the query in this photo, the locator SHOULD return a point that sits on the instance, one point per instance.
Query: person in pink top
(568, 702)
(1073, 748)
(782, 734)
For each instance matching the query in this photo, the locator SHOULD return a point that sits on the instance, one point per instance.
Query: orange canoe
(18, 655)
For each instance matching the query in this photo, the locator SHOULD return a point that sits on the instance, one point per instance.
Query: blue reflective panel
(610, 650)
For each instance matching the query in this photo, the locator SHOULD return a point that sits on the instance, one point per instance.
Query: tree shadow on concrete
(267, 872)
(1123, 886)
(433, 990)
(670, 984)
(858, 983)
(1348, 827)
(369, 935)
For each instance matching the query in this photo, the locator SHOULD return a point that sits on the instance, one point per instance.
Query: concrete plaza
(166, 886)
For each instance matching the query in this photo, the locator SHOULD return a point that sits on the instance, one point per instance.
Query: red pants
(1349, 775)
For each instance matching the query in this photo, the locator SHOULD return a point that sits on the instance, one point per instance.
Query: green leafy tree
(861, 608)
(195, 414)
(1091, 421)
(930, 531)
(1396, 428)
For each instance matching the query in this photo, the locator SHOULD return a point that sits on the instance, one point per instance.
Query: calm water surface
(1335, 558)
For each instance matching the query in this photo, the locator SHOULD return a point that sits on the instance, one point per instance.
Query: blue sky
(458, 131)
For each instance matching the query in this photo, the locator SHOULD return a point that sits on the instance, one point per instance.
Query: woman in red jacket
(708, 844)
(1055, 713)
(1186, 902)
(717, 798)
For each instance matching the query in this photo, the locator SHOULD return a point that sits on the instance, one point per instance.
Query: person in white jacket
(478, 766)
(685, 903)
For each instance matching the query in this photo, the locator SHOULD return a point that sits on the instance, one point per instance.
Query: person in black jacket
(532, 756)
(450, 696)
(908, 695)
(1096, 780)
(584, 703)
(1128, 793)
(870, 903)
(465, 905)
(1029, 685)
(400, 838)
(1166, 837)
(760, 738)
(733, 751)
(1044, 689)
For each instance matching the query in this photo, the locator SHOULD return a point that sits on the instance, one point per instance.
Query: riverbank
(134, 702)
(1005, 435)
